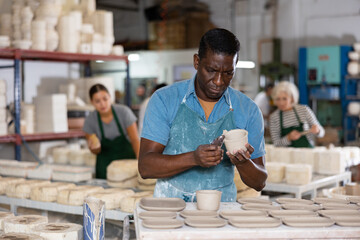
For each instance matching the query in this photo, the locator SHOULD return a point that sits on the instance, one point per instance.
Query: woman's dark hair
(219, 41)
(97, 88)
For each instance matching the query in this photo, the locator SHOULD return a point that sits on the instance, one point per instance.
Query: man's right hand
(208, 155)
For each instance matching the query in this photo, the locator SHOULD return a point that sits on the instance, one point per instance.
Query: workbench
(318, 181)
(56, 207)
(230, 232)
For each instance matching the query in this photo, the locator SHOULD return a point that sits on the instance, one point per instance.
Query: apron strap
(100, 126)
(297, 116)
(116, 121)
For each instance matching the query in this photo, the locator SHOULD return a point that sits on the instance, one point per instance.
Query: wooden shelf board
(21, 54)
(11, 138)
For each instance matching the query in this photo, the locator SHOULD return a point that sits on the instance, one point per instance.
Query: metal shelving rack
(19, 56)
(351, 123)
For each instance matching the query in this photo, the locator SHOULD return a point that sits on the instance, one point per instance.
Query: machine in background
(325, 85)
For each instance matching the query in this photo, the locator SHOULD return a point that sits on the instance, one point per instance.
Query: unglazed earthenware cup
(208, 200)
(235, 140)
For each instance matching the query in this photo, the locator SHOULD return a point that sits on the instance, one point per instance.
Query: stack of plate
(161, 212)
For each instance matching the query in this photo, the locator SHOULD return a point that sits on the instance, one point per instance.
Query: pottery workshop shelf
(230, 232)
(319, 181)
(56, 207)
(20, 56)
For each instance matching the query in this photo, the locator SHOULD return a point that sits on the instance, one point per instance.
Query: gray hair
(287, 87)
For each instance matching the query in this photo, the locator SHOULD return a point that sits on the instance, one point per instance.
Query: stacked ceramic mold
(36, 227)
(51, 113)
(3, 123)
(76, 157)
(21, 26)
(296, 165)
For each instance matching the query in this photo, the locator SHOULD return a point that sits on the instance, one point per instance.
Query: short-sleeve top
(126, 118)
(165, 102)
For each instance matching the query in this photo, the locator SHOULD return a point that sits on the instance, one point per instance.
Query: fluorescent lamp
(99, 61)
(134, 57)
(245, 64)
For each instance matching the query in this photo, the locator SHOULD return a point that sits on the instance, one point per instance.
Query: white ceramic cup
(208, 200)
(235, 140)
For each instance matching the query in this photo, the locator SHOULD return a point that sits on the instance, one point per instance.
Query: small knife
(218, 141)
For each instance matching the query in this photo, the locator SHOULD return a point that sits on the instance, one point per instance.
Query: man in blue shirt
(181, 121)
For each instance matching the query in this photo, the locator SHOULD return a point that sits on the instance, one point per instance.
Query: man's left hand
(241, 155)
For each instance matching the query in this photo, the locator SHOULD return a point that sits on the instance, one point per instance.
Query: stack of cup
(103, 24)
(86, 36)
(5, 25)
(16, 21)
(68, 34)
(38, 35)
(235, 140)
(26, 18)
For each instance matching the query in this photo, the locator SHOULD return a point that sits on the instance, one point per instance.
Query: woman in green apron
(111, 130)
(292, 124)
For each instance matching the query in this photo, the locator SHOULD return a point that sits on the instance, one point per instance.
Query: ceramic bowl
(357, 46)
(353, 68)
(354, 108)
(208, 199)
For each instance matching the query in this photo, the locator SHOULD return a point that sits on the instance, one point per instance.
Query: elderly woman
(292, 124)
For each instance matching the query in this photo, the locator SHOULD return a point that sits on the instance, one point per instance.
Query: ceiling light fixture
(134, 57)
(245, 64)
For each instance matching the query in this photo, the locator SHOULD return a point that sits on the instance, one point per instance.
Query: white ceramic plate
(157, 214)
(255, 222)
(289, 213)
(339, 206)
(308, 222)
(334, 213)
(253, 200)
(347, 221)
(296, 206)
(294, 200)
(162, 223)
(205, 223)
(320, 200)
(162, 204)
(242, 213)
(261, 207)
(198, 213)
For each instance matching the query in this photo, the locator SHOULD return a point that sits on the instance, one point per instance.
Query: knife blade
(218, 141)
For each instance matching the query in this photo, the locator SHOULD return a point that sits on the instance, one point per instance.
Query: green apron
(118, 148)
(302, 142)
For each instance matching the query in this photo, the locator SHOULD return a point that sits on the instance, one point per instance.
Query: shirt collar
(191, 91)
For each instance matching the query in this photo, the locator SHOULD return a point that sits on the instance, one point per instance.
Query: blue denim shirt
(164, 104)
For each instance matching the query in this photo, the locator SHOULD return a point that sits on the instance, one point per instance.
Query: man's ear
(196, 61)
